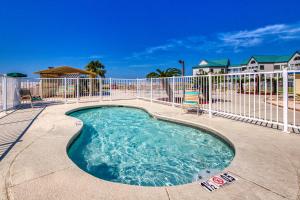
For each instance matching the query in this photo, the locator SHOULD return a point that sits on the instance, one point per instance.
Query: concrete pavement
(267, 161)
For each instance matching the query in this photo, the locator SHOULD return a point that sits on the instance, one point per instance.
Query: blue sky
(135, 37)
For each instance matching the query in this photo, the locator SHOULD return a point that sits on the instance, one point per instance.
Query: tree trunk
(166, 86)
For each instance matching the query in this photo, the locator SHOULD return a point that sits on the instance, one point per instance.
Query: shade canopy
(16, 74)
(62, 71)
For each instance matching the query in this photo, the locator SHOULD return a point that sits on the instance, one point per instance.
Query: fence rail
(271, 98)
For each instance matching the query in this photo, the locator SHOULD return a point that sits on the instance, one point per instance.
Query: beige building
(267, 63)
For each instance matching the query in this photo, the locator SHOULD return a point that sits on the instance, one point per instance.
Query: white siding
(294, 64)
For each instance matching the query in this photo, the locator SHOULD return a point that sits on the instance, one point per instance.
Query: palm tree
(162, 74)
(97, 67)
(170, 72)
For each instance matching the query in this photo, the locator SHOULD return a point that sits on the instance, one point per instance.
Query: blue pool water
(127, 145)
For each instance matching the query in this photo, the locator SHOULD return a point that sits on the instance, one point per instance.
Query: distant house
(214, 66)
(269, 63)
(256, 63)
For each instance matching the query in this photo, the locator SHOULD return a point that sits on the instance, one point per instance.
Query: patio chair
(25, 95)
(191, 100)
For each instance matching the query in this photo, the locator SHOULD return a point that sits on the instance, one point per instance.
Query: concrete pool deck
(267, 161)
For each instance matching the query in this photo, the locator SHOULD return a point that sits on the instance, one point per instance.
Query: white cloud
(250, 38)
(235, 41)
(171, 44)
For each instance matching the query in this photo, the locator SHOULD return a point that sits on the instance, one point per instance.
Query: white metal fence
(269, 98)
(9, 93)
(80, 89)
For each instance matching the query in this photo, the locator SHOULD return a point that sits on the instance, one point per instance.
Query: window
(297, 58)
(276, 67)
(253, 62)
(261, 67)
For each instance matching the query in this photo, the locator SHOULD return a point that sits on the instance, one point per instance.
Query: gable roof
(214, 63)
(297, 52)
(58, 71)
(270, 58)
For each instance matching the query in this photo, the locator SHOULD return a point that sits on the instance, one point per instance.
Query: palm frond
(152, 75)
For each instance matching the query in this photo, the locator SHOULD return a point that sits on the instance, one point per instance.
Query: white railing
(268, 98)
(81, 89)
(9, 92)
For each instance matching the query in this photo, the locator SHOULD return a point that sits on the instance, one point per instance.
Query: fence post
(173, 92)
(90, 87)
(65, 88)
(100, 87)
(110, 89)
(285, 99)
(151, 90)
(4, 92)
(210, 95)
(137, 88)
(40, 88)
(77, 88)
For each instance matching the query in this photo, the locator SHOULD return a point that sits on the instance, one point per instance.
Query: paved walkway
(267, 162)
(13, 126)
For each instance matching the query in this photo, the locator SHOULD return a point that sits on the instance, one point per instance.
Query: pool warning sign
(218, 181)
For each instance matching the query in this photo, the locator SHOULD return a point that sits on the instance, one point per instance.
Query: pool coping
(247, 185)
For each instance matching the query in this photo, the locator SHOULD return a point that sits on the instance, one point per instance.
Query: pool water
(127, 145)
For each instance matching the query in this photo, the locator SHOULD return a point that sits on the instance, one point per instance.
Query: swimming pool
(127, 145)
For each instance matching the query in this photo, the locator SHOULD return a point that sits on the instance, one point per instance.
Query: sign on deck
(218, 181)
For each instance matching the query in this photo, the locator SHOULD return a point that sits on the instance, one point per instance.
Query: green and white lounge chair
(25, 95)
(191, 100)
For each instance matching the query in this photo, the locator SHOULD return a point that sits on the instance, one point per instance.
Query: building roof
(271, 58)
(214, 64)
(245, 62)
(63, 70)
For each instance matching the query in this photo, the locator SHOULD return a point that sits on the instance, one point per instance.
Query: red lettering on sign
(218, 180)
